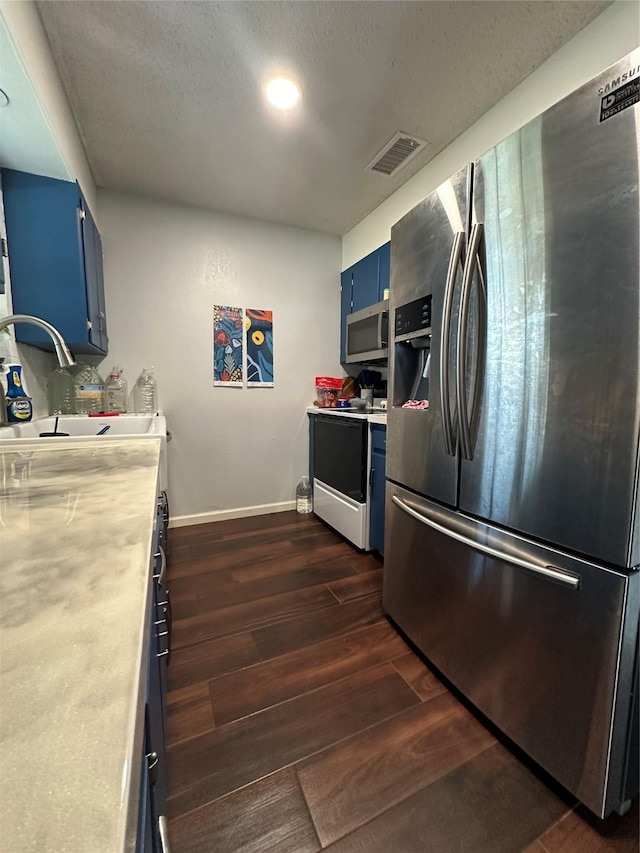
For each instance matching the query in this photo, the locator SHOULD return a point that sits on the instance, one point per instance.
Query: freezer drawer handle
(550, 572)
(448, 422)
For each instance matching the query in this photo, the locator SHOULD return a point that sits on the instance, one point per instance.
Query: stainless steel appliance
(512, 528)
(368, 333)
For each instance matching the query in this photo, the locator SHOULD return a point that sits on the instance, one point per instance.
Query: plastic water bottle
(61, 392)
(146, 392)
(89, 391)
(115, 392)
(304, 496)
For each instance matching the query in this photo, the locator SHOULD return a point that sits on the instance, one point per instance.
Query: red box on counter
(327, 391)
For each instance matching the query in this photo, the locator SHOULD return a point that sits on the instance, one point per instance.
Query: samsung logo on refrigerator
(620, 93)
(618, 81)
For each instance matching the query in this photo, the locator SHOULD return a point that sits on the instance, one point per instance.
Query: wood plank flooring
(299, 720)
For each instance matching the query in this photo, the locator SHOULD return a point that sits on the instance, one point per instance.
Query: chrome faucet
(65, 359)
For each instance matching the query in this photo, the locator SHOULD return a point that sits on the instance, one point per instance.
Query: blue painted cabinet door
(377, 487)
(365, 282)
(384, 269)
(55, 261)
(145, 840)
(92, 250)
(312, 425)
(345, 308)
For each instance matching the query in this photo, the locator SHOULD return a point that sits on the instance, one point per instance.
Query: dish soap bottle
(115, 392)
(19, 408)
(145, 392)
(304, 496)
(89, 389)
(61, 392)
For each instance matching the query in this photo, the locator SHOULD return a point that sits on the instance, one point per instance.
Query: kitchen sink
(81, 426)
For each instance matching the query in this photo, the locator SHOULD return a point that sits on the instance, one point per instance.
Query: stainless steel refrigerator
(512, 537)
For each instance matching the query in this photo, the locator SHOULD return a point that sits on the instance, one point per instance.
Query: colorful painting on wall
(259, 325)
(227, 346)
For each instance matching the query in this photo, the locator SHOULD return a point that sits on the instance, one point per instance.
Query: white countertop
(377, 417)
(76, 527)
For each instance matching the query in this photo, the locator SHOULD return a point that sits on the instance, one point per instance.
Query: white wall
(165, 267)
(25, 28)
(51, 146)
(609, 37)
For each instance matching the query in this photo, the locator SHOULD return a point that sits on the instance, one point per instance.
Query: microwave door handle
(445, 344)
(463, 334)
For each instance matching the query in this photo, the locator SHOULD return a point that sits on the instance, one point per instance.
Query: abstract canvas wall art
(227, 346)
(259, 326)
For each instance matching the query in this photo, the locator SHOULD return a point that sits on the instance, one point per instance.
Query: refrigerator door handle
(445, 343)
(549, 572)
(463, 332)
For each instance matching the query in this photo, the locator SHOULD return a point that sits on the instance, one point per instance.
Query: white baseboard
(225, 514)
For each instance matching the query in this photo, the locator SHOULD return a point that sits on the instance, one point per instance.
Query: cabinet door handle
(163, 566)
(153, 760)
(162, 654)
(168, 613)
(163, 831)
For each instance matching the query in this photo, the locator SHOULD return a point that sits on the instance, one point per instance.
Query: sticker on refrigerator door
(619, 99)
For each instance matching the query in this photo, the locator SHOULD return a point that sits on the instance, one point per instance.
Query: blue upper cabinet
(55, 262)
(365, 282)
(345, 308)
(362, 285)
(384, 269)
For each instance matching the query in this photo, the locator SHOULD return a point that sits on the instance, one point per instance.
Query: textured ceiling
(167, 95)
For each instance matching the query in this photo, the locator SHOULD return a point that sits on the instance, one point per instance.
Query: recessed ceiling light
(283, 93)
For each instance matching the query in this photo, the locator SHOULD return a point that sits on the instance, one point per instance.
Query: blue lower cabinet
(312, 425)
(153, 789)
(377, 487)
(145, 843)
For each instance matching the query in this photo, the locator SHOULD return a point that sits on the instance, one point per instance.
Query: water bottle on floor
(304, 496)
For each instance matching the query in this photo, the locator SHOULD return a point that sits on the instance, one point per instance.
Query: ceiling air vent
(397, 152)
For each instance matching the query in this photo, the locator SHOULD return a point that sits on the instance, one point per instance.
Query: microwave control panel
(413, 319)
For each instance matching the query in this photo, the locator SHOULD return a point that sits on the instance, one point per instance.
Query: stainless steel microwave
(368, 333)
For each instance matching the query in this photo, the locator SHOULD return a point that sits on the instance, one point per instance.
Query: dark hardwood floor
(299, 720)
